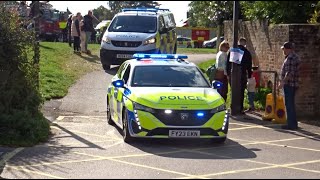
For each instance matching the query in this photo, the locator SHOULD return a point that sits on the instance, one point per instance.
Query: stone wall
(264, 41)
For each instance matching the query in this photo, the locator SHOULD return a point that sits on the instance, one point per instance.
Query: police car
(165, 96)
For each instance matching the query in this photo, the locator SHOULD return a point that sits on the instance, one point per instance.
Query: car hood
(176, 97)
(128, 36)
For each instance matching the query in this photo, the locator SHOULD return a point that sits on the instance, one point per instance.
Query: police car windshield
(142, 24)
(168, 76)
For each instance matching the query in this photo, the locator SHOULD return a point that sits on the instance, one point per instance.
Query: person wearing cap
(289, 82)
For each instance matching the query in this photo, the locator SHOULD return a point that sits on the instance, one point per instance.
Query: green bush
(21, 122)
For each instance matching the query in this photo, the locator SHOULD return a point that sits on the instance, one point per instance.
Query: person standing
(75, 32)
(88, 27)
(289, 83)
(82, 36)
(69, 24)
(246, 70)
(221, 73)
(251, 88)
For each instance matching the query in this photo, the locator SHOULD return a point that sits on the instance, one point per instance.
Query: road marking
(9, 156)
(35, 172)
(80, 132)
(60, 118)
(294, 147)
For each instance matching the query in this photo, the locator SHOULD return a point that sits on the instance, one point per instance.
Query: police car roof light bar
(140, 9)
(140, 56)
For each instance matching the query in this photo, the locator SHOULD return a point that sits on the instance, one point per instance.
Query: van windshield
(142, 24)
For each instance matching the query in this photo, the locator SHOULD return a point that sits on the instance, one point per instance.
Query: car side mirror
(216, 84)
(118, 83)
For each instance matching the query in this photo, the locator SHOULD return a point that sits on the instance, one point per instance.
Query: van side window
(173, 22)
(167, 21)
(161, 23)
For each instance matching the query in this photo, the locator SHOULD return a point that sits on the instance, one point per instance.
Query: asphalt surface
(84, 146)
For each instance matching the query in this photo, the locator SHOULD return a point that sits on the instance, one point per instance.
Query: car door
(118, 98)
(114, 92)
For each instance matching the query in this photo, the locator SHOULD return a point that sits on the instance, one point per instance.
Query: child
(251, 87)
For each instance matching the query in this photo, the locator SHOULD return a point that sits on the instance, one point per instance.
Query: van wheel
(125, 129)
(106, 67)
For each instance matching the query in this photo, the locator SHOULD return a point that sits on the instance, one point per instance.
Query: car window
(126, 74)
(168, 76)
(121, 69)
(143, 24)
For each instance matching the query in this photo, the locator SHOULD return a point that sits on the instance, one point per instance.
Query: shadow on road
(302, 131)
(192, 148)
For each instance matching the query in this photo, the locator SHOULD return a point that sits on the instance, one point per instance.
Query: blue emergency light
(141, 9)
(200, 114)
(139, 56)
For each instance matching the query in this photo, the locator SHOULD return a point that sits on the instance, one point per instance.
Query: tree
(103, 13)
(279, 11)
(116, 6)
(315, 19)
(210, 13)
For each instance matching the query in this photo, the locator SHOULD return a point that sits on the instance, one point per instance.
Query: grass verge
(60, 67)
(196, 51)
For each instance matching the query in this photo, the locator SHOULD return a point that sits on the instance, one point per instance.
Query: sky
(178, 8)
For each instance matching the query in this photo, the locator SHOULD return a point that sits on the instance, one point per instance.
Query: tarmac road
(84, 146)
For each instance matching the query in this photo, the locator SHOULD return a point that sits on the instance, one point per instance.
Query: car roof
(157, 62)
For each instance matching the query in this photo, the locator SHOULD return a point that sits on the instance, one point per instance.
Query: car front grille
(183, 117)
(126, 43)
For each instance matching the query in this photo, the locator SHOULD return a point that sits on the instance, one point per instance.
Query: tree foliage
(279, 11)
(209, 13)
(103, 13)
(21, 122)
(212, 13)
(315, 19)
(116, 6)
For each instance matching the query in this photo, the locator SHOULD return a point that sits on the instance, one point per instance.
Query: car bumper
(111, 57)
(148, 126)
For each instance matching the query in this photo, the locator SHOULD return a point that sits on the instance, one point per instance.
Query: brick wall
(264, 41)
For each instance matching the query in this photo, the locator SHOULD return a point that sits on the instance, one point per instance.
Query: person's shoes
(249, 110)
(288, 128)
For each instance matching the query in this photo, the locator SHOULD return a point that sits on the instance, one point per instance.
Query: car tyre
(106, 67)
(125, 129)
(219, 140)
(109, 119)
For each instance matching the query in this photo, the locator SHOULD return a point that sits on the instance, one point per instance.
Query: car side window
(167, 21)
(126, 74)
(120, 71)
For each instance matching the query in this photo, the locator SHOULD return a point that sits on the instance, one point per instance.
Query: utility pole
(36, 58)
(235, 71)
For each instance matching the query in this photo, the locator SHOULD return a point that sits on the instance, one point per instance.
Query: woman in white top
(221, 74)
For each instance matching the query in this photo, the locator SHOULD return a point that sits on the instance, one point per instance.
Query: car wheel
(106, 67)
(109, 119)
(219, 140)
(125, 129)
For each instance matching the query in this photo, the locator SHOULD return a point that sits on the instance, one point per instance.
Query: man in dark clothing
(88, 27)
(246, 69)
(69, 23)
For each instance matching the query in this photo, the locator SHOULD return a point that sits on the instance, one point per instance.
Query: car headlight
(140, 107)
(105, 39)
(149, 41)
(219, 109)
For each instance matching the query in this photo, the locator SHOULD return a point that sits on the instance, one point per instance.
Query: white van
(139, 30)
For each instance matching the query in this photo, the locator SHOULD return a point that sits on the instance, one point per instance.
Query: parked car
(184, 42)
(212, 43)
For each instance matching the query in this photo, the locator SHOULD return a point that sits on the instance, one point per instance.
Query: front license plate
(184, 133)
(124, 56)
